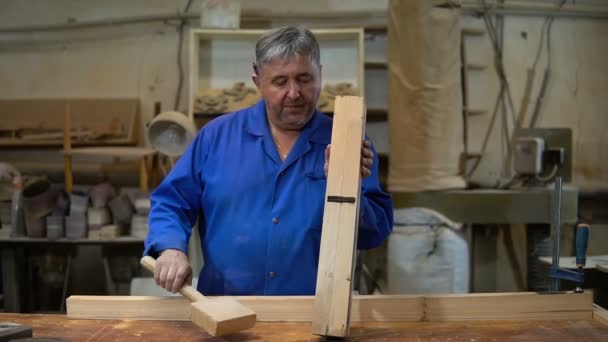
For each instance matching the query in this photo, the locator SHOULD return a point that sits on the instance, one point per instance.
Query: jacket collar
(316, 130)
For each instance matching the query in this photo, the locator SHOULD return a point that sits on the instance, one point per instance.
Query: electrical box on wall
(557, 150)
(528, 155)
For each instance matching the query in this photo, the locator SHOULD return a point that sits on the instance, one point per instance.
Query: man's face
(290, 89)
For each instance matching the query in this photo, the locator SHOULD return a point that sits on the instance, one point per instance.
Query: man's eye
(279, 82)
(304, 79)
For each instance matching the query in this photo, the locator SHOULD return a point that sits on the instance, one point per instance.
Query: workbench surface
(59, 326)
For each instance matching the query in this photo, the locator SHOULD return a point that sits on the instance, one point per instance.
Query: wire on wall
(180, 64)
(495, 31)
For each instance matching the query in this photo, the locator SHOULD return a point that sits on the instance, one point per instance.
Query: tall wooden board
(331, 310)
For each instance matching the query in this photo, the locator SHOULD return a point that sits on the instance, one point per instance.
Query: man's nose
(294, 90)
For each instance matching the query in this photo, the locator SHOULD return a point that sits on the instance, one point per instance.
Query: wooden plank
(340, 220)
(385, 308)
(600, 314)
(508, 306)
(128, 307)
(118, 152)
(401, 308)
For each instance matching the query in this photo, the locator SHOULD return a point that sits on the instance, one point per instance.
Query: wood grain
(268, 308)
(600, 314)
(59, 326)
(385, 308)
(510, 306)
(340, 220)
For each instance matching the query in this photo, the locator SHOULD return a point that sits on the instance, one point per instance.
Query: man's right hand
(172, 270)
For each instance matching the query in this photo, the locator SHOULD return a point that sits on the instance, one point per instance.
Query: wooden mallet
(217, 315)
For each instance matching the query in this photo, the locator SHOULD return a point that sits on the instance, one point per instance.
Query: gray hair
(284, 43)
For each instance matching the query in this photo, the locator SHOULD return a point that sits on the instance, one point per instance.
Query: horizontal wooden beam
(268, 308)
(381, 308)
(508, 306)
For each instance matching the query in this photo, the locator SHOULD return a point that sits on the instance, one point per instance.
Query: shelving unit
(220, 58)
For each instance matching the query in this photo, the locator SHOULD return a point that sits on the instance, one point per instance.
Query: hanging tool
(582, 236)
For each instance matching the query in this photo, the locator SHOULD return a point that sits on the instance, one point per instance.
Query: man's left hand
(367, 159)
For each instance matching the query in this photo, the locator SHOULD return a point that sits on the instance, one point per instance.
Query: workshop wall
(575, 97)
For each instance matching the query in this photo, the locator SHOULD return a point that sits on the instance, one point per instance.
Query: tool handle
(187, 291)
(582, 236)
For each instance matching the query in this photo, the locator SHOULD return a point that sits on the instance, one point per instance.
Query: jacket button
(271, 274)
(275, 220)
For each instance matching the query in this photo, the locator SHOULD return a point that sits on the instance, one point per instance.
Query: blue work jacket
(259, 218)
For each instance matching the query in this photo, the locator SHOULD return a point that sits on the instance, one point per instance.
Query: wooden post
(67, 147)
(331, 312)
(155, 164)
(143, 174)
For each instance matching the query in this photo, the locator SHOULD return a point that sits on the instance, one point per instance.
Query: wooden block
(391, 308)
(508, 306)
(217, 316)
(340, 220)
(600, 314)
(220, 316)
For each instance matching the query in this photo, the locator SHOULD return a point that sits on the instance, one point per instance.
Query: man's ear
(255, 77)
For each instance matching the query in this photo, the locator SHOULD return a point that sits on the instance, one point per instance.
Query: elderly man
(257, 177)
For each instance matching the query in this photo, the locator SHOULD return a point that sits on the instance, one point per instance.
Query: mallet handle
(187, 291)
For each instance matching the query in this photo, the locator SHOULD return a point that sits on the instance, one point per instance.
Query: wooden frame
(377, 308)
(234, 50)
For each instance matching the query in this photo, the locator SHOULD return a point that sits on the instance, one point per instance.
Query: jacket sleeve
(176, 202)
(375, 211)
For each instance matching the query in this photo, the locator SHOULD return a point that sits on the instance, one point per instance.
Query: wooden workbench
(59, 326)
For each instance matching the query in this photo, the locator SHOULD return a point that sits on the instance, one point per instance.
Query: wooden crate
(40, 122)
(221, 58)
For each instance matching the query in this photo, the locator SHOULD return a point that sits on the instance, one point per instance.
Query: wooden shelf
(471, 31)
(476, 66)
(119, 152)
(375, 29)
(377, 114)
(219, 59)
(373, 114)
(475, 111)
(376, 65)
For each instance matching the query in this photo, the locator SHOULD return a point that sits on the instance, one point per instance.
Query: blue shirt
(260, 218)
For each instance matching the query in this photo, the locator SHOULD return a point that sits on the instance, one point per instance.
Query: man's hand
(367, 159)
(172, 270)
